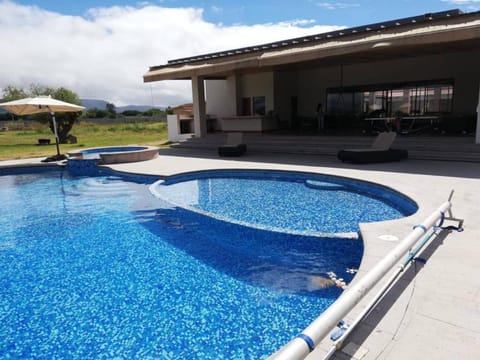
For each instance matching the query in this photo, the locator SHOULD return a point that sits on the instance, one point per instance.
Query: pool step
(101, 187)
(451, 148)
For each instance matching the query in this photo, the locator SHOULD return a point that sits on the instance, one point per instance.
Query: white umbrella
(42, 104)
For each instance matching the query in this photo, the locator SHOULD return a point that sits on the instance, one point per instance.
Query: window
(389, 100)
(259, 105)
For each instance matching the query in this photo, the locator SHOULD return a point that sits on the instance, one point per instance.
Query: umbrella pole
(56, 133)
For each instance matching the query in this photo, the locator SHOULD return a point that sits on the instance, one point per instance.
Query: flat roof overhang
(413, 41)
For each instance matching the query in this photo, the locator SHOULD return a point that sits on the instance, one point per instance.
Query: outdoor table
(381, 123)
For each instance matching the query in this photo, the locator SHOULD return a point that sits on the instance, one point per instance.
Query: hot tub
(116, 154)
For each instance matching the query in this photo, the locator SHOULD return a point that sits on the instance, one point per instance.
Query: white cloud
(297, 22)
(467, 5)
(462, 2)
(336, 5)
(216, 9)
(105, 54)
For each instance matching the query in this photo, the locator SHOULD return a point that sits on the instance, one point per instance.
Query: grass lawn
(23, 143)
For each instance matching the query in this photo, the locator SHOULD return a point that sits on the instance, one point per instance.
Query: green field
(20, 142)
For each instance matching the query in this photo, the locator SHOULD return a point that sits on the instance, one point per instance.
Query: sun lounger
(380, 151)
(234, 145)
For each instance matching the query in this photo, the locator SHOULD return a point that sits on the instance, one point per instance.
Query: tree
(153, 112)
(11, 93)
(65, 121)
(131, 113)
(96, 113)
(110, 107)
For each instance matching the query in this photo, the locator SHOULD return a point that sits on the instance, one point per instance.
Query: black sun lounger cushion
(372, 156)
(380, 151)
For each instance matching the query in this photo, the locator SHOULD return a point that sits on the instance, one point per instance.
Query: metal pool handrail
(303, 344)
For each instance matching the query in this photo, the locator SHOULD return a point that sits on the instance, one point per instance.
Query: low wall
(247, 123)
(126, 157)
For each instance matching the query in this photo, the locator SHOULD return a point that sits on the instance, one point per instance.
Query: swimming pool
(96, 267)
(307, 204)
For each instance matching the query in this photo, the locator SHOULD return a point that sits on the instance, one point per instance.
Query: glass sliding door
(389, 100)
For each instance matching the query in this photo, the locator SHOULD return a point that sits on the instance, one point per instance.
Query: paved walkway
(433, 312)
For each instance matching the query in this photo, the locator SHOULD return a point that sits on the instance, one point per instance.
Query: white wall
(260, 84)
(173, 125)
(221, 97)
(224, 96)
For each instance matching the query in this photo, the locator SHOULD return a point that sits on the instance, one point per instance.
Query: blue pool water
(286, 202)
(96, 267)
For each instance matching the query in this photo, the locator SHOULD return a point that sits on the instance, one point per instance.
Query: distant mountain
(101, 104)
(94, 104)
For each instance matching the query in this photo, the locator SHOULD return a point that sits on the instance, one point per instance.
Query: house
(184, 111)
(405, 74)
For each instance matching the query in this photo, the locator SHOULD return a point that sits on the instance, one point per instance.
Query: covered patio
(412, 75)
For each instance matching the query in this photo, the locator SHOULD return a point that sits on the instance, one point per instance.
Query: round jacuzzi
(116, 154)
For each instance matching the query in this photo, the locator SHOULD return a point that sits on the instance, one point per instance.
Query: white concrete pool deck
(433, 312)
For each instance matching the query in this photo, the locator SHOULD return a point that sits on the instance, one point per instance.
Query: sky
(101, 49)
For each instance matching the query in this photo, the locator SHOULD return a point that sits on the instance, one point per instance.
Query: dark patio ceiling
(385, 53)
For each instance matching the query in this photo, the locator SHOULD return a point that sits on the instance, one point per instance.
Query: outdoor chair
(234, 146)
(380, 151)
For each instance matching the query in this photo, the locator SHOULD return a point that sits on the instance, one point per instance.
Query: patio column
(477, 136)
(199, 115)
